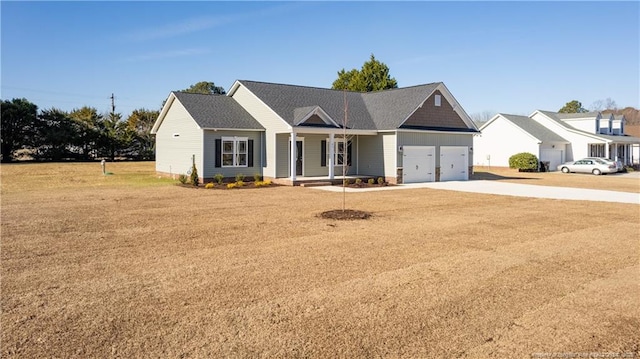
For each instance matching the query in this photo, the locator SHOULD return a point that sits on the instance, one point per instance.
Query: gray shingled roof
(625, 139)
(217, 111)
(569, 116)
(383, 110)
(534, 128)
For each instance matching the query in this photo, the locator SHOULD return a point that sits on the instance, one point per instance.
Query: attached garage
(454, 163)
(553, 156)
(418, 164)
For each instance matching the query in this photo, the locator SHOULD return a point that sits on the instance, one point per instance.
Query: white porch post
(615, 151)
(331, 155)
(294, 156)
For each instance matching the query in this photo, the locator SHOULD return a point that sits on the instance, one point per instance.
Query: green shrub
(371, 181)
(345, 182)
(358, 181)
(257, 177)
(524, 161)
(194, 175)
(239, 183)
(239, 177)
(218, 177)
(380, 181)
(183, 179)
(209, 185)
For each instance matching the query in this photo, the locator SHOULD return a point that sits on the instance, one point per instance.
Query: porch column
(615, 152)
(331, 155)
(294, 156)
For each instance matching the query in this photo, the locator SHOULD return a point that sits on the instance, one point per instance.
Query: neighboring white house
(554, 138)
(505, 135)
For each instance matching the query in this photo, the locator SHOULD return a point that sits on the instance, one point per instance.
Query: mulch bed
(247, 185)
(347, 214)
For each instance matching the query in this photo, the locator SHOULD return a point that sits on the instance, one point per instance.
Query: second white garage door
(454, 163)
(418, 164)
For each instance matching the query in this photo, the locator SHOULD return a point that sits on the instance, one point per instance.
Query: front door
(298, 158)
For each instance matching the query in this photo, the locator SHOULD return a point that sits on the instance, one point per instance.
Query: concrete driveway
(510, 189)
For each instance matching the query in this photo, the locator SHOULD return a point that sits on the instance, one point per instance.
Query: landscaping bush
(345, 182)
(358, 181)
(194, 175)
(257, 177)
(218, 177)
(371, 181)
(524, 161)
(183, 179)
(231, 185)
(239, 183)
(209, 185)
(380, 181)
(239, 177)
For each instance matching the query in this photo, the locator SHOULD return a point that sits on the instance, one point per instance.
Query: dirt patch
(347, 214)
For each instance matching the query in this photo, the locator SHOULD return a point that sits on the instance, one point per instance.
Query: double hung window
(234, 151)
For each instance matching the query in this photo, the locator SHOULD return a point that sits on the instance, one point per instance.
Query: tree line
(82, 134)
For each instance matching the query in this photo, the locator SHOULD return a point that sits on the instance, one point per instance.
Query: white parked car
(588, 165)
(618, 164)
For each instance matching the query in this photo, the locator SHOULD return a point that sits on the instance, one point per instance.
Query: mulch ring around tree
(347, 214)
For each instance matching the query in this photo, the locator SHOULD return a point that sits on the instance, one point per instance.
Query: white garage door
(418, 164)
(554, 157)
(454, 163)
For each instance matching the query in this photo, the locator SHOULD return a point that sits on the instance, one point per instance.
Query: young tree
(573, 107)
(373, 76)
(18, 121)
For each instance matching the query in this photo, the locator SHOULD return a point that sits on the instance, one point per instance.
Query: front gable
(435, 113)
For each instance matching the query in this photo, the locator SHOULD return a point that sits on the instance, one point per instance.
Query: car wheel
(565, 170)
(596, 172)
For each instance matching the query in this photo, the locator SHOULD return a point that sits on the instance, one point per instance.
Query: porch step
(314, 184)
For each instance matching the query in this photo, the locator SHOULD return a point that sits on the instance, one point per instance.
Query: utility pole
(113, 103)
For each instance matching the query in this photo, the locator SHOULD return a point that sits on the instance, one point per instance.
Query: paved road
(511, 189)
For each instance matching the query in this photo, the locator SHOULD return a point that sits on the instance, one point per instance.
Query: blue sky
(511, 57)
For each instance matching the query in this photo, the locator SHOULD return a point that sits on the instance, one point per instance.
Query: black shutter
(218, 153)
(323, 153)
(349, 154)
(250, 153)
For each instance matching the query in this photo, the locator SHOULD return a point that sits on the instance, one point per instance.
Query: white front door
(454, 163)
(418, 164)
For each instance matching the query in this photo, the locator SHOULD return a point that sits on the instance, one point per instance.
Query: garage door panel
(418, 163)
(554, 157)
(454, 163)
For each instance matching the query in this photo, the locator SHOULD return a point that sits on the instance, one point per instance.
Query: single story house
(291, 134)
(554, 138)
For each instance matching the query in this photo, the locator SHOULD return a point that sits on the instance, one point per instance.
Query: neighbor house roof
(217, 111)
(381, 110)
(535, 129)
(574, 116)
(555, 117)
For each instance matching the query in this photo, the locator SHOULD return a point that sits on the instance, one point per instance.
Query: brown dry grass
(613, 182)
(129, 266)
